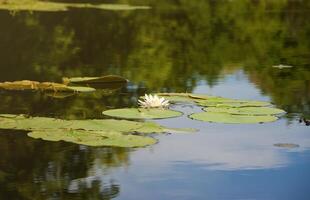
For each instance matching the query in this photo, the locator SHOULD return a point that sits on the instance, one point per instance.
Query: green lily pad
(181, 130)
(151, 127)
(102, 79)
(185, 97)
(100, 132)
(182, 99)
(94, 138)
(223, 102)
(231, 119)
(21, 122)
(142, 113)
(211, 101)
(246, 110)
(202, 96)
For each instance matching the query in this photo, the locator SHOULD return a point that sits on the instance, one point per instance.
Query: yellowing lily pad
(44, 86)
(102, 79)
(142, 113)
(94, 138)
(231, 119)
(45, 6)
(246, 110)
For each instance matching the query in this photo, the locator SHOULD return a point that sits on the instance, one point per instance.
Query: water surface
(224, 48)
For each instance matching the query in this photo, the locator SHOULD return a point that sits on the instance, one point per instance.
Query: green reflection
(172, 46)
(31, 169)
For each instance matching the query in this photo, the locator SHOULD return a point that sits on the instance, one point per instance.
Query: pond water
(225, 48)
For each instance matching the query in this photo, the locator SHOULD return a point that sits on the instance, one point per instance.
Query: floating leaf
(81, 89)
(45, 86)
(233, 119)
(151, 127)
(94, 138)
(181, 130)
(286, 145)
(174, 94)
(22, 122)
(202, 96)
(102, 79)
(223, 102)
(184, 97)
(246, 110)
(282, 66)
(142, 113)
(213, 101)
(178, 99)
(105, 125)
(43, 6)
(100, 132)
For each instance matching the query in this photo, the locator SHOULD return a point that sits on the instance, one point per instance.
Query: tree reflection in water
(36, 169)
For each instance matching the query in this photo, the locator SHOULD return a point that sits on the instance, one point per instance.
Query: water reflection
(33, 169)
(173, 46)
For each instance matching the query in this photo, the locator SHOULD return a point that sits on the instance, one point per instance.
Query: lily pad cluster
(124, 133)
(226, 110)
(100, 132)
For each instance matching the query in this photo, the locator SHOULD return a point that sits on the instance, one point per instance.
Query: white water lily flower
(153, 101)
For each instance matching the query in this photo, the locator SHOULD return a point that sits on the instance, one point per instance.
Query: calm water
(224, 48)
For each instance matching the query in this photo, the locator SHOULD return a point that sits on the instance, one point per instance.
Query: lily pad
(142, 113)
(102, 79)
(185, 97)
(246, 110)
(22, 122)
(94, 138)
(202, 96)
(223, 102)
(282, 66)
(174, 94)
(100, 132)
(151, 127)
(45, 86)
(211, 101)
(182, 99)
(46, 6)
(231, 119)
